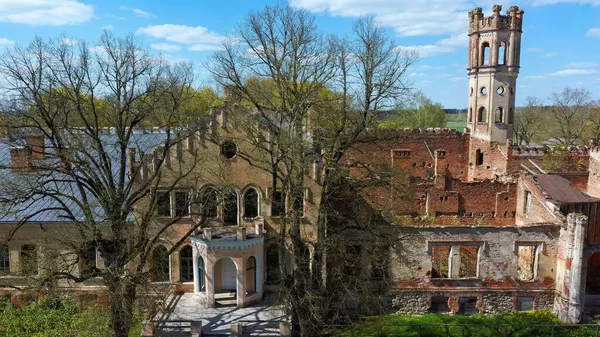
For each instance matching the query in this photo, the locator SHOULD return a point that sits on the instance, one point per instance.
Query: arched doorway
(250, 275)
(225, 284)
(592, 285)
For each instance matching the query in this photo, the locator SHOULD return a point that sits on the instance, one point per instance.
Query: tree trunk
(122, 295)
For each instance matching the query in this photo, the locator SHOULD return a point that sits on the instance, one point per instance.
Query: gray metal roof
(15, 184)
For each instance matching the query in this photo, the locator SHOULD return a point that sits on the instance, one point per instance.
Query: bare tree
(529, 121)
(569, 114)
(593, 124)
(314, 97)
(86, 102)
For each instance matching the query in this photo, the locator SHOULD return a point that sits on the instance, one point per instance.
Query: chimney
(36, 143)
(259, 229)
(131, 160)
(20, 157)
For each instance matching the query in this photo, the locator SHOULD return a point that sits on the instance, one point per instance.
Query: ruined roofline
(513, 19)
(390, 133)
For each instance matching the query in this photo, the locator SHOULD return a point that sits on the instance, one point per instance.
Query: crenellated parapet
(512, 20)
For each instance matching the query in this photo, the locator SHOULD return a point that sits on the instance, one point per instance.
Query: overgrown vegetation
(57, 317)
(514, 325)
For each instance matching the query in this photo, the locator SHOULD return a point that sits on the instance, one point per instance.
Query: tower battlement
(512, 20)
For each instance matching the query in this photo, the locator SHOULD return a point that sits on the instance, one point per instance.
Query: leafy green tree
(417, 112)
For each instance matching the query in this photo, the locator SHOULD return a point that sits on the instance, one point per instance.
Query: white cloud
(4, 42)
(138, 12)
(198, 38)
(416, 74)
(165, 47)
(534, 50)
(428, 50)
(553, 2)
(551, 54)
(45, 12)
(69, 41)
(428, 67)
(579, 65)
(406, 17)
(594, 32)
(108, 27)
(563, 73)
(457, 79)
(205, 47)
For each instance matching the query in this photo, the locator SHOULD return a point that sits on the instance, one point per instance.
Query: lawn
(56, 317)
(511, 325)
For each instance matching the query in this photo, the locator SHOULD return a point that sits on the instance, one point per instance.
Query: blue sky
(561, 38)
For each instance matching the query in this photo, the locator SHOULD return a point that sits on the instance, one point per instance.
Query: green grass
(400, 325)
(56, 317)
(460, 126)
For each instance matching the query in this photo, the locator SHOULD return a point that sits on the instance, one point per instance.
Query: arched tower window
(201, 285)
(250, 203)
(499, 115)
(186, 264)
(209, 199)
(230, 208)
(482, 115)
(502, 53)
(251, 275)
(160, 265)
(485, 54)
(470, 115)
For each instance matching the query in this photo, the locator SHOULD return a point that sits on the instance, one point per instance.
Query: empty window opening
(88, 260)
(186, 264)
(439, 305)
(201, 274)
(470, 115)
(352, 262)
(277, 203)
(485, 54)
(527, 262)
(272, 261)
(502, 53)
(163, 204)
(209, 199)
(4, 260)
(440, 256)
(524, 303)
(228, 149)
(467, 306)
(482, 115)
(29, 260)
(468, 261)
(478, 157)
(160, 265)
(527, 206)
(471, 92)
(251, 203)
(483, 90)
(182, 204)
(499, 115)
(511, 116)
(500, 90)
(230, 208)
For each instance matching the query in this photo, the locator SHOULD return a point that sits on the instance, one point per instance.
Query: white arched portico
(226, 258)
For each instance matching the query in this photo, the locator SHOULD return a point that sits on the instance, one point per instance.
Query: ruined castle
(490, 231)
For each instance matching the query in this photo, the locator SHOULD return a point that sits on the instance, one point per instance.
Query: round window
(484, 90)
(500, 90)
(228, 149)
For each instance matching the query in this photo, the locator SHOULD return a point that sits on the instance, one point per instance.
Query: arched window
(502, 53)
(29, 260)
(88, 260)
(160, 265)
(470, 115)
(230, 208)
(201, 285)
(4, 260)
(482, 115)
(499, 115)
(209, 199)
(186, 264)
(272, 265)
(485, 54)
(251, 275)
(251, 203)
